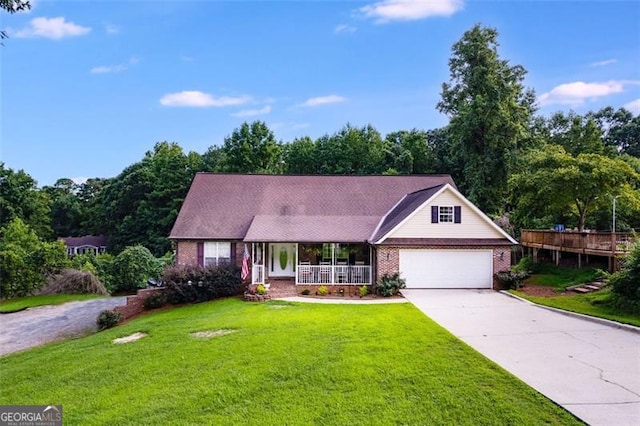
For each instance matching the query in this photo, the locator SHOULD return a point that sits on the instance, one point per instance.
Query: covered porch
(312, 263)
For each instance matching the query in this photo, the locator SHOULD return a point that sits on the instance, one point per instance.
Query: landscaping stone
(131, 338)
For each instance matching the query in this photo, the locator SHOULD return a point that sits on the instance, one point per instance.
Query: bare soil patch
(211, 333)
(543, 291)
(130, 338)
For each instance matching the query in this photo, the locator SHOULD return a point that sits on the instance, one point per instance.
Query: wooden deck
(606, 244)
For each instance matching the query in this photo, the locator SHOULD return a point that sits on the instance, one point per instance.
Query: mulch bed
(543, 291)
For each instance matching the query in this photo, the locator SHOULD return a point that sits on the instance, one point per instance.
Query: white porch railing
(257, 274)
(333, 274)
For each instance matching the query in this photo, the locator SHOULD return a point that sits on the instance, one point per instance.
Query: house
(305, 231)
(95, 244)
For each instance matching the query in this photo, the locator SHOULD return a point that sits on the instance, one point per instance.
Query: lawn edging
(337, 301)
(599, 320)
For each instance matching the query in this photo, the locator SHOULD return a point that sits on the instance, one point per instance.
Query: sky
(87, 87)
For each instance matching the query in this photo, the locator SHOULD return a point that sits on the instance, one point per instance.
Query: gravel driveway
(44, 324)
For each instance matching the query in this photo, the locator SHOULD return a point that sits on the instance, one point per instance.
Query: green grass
(286, 363)
(14, 305)
(561, 277)
(593, 304)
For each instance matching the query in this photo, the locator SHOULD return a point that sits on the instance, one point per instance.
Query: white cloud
(603, 63)
(344, 29)
(106, 69)
(194, 98)
(577, 92)
(53, 28)
(410, 10)
(253, 112)
(633, 106)
(323, 100)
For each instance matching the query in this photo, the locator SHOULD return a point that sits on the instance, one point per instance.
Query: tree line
(527, 170)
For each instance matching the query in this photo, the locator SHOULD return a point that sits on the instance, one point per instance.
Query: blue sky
(88, 87)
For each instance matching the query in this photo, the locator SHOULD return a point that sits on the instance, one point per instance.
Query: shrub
(306, 292)
(261, 290)
(108, 319)
(625, 284)
(364, 290)
(132, 267)
(155, 300)
(390, 284)
(73, 281)
(189, 284)
(526, 264)
(511, 278)
(322, 290)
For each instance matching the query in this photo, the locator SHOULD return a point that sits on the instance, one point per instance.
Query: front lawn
(284, 363)
(14, 305)
(593, 304)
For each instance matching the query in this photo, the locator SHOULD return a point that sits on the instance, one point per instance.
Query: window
(216, 252)
(446, 214)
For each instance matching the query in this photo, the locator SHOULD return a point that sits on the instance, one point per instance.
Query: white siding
(420, 226)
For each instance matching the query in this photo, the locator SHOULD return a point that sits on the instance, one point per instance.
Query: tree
(26, 260)
(140, 205)
(300, 156)
(620, 129)
(576, 134)
(12, 6)
(67, 209)
(409, 152)
(625, 284)
(20, 198)
(490, 113)
(252, 149)
(133, 266)
(351, 151)
(556, 184)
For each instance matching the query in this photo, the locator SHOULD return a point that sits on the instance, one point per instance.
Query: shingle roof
(404, 208)
(223, 206)
(301, 229)
(87, 240)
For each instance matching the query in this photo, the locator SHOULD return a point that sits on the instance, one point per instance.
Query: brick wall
(135, 303)
(187, 253)
(389, 257)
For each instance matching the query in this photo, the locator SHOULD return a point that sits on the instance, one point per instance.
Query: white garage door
(447, 268)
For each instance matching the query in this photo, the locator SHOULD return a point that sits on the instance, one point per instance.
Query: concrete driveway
(44, 324)
(589, 368)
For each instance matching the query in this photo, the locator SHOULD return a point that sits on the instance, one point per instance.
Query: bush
(132, 267)
(108, 319)
(73, 281)
(527, 265)
(390, 284)
(261, 290)
(364, 290)
(155, 300)
(322, 290)
(306, 292)
(189, 284)
(625, 284)
(511, 278)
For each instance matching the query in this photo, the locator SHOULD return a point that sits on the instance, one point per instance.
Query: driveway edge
(598, 320)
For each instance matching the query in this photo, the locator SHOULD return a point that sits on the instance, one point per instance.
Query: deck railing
(605, 242)
(334, 274)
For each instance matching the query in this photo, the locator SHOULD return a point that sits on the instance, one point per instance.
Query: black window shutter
(233, 253)
(200, 253)
(457, 214)
(434, 214)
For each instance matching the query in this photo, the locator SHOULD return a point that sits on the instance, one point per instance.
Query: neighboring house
(341, 230)
(95, 244)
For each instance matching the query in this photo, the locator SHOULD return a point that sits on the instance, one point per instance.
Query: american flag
(245, 263)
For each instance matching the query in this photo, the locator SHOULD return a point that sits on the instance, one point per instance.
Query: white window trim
(213, 250)
(449, 216)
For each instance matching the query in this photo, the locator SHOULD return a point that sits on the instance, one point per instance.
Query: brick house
(305, 231)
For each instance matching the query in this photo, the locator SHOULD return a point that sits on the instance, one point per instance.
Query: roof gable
(412, 219)
(223, 206)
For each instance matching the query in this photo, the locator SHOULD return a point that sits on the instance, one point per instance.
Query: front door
(282, 258)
